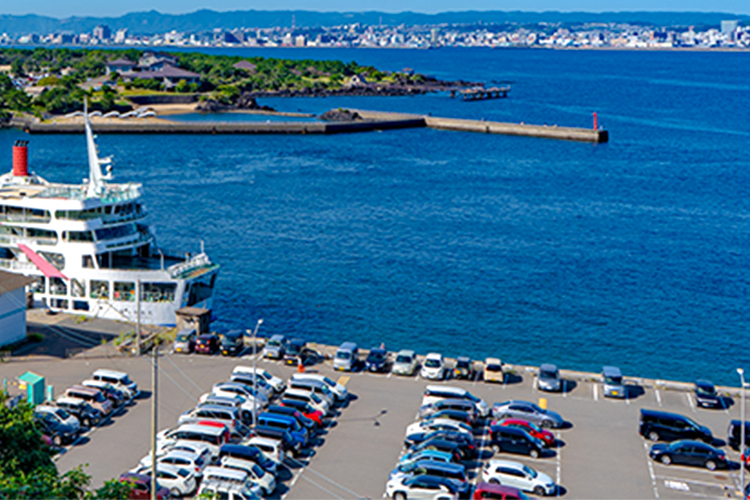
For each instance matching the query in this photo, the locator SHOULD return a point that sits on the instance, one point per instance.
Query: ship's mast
(96, 178)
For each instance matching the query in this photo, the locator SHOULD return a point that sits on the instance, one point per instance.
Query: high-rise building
(102, 32)
(729, 28)
(121, 35)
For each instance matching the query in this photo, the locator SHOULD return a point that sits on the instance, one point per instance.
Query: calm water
(633, 253)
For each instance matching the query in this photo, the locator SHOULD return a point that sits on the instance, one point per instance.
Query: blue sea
(633, 253)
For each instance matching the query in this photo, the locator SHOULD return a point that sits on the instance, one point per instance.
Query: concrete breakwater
(372, 120)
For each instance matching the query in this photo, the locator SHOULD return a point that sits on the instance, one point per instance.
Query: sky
(113, 8)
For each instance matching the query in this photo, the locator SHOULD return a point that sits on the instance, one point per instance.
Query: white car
(180, 481)
(339, 390)
(519, 476)
(308, 397)
(254, 381)
(230, 389)
(213, 437)
(228, 490)
(433, 367)
(434, 393)
(271, 448)
(275, 382)
(177, 458)
(235, 401)
(255, 473)
(438, 423)
(198, 452)
(405, 363)
(422, 487)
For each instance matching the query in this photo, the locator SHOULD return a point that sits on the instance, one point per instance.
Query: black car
(689, 453)
(464, 368)
(58, 432)
(459, 438)
(455, 415)
(706, 395)
(662, 426)
(457, 450)
(232, 343)
(376, 359)
(298, 353)
(735, 434)
(83, 411)
(515, 440)
(208, 343)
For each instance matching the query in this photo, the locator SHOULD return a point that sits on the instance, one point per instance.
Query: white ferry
(88, 248)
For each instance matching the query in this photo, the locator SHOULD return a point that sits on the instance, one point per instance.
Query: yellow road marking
(343, 380)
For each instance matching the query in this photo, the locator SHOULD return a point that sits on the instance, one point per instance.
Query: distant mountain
(206, 20)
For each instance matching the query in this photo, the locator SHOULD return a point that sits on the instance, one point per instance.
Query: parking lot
(600, 454)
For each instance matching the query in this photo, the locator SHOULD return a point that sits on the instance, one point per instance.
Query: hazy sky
(66, 8)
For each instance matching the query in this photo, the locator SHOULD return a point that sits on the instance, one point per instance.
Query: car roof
(405, 352)
(206, 336)
(297, 342)
(548, 367)
(611, 371)
(492, 361)
(704, 383)
(432, 464)
(377, 349)
(264, 440)
(70, 401)
(434, 355)
(445, 389)
(113, 373)
(278, 336)
(348, 346)
(206, 429)
(212, 470)
(496, 462)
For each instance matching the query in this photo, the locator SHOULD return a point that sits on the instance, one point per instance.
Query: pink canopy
(41, 263)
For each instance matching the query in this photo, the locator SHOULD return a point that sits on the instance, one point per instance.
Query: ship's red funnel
(21, 159)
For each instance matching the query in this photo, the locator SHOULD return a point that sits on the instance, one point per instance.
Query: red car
(498, 492)
(142, 487)
(207, 343)
(546, 436)
(305, 409)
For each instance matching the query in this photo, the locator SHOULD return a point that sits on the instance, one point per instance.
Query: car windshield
(183, 473)
(314, 397)
(329, 381)
(530, 472)
(706, 390)
(462, 364)
(258, 471)
(99, 398)
(62, 414)
(547, 374)
(183, 337)
(432, 363)
(274, 343)
(294, 349)
(613, 380)
(403, 359)
(343, 355)
(375, 356)
(494, 368)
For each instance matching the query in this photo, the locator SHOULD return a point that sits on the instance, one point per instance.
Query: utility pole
(154, 384)
(255, 372)
(138, 319)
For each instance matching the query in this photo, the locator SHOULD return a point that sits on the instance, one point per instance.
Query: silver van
(346, 357)
(613, 384)
(316, 387)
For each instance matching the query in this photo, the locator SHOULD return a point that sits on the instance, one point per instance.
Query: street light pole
(255, 373)
(741, 372)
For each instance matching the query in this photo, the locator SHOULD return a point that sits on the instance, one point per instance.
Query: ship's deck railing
(113, 193)
(39, 240)
(200, 260)
(16, 265)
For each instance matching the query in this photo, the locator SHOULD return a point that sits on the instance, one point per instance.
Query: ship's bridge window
(56, 259)
(158, 292)
(124, 291)
(42, 236)
(110, 233)
(99, 289)
(78, 236)
(17, 214)
(91, 213)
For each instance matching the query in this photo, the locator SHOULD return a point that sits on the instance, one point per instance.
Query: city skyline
(91, 8)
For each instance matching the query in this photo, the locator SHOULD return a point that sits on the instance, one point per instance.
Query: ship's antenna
(96, 179)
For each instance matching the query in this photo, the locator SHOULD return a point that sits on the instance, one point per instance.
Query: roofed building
(12, 307)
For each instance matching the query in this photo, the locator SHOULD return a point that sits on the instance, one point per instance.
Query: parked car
(432, 455)
(459, 450)
(293, 353)
(288, 443)
(455, 415)
(463, 438)
(455, 472)
(59, 415)
(613, 386)
(297, 431)
(376, 360)
(118, 379)
(483, 491)
(142, 487)
(663, 426)
(515, 440)
(464, 368)
(519, 476)
(734, 433)
(405, 363)
(307, 423)
(57, 425)
(339, 390)
(530, 412)
(85, 413)
(316, 387)
(542, 434)
(305, 408)
(254, 383)
(117, 396)
(425, 487)
(275, 348)
(433, 367)
(706, 395)
(549, 378)
(462, 405)
(255, 473)
(92, 396)
(273, 449)
(185, 341)
(235, 475)
(493, 370)
(212, 437)
(232, 343)
(434, 393)
(195, 460)
(229, 490)
(275, 382)
(347, 357)
(230, 389)
(308, 397)
(230, 417)
(208, 343)
(251, 453)
(179, 480)
(417, 429)
(688, 452)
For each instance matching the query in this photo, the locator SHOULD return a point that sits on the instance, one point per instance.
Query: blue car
(288, 423)
(433, 455)
(375, 361)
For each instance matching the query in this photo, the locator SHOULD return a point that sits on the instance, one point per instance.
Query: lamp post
(255, 373)
(741, 373)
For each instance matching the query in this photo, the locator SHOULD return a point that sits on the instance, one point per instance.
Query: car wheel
(539, 491)
(174, 493)
(666, 459)
(711, 465)
(534, 453)
(653, 436)
(494, 481)
(399, 495)
(496, 448)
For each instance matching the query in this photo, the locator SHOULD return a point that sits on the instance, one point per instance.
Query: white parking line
(658, 397)
(690, 402)
(596, 391)
(651, 471)
(389, 375)
(559, 467)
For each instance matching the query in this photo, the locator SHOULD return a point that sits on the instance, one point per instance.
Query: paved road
(601, 455)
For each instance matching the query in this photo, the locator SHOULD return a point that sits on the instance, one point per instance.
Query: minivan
(92, 396)
(117, 379)
(514, 440)
(308, 397)
(339, 390)
(613, 385)
(213, 437)
(347, 357)
(248, 452)
(287, 423)
(662, 426)
(316, 387)
(185, 341)
(434, 393)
